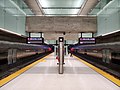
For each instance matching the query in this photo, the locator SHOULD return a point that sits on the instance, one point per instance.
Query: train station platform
(43, 75)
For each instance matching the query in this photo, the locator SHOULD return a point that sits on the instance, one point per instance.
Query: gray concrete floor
(44, 76)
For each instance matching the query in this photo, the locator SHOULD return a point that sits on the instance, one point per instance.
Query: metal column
(106, 54)
(9, 56)
(61, 54)
(12, 55)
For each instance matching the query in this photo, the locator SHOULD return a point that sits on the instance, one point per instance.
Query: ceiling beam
(61, 24)
(34, 6)
(87, 6)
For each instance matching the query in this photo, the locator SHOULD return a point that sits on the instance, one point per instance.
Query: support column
(12, 56)
(106, 55)
(56, 47)
(9, 58)
(65, 48)
(61, 54)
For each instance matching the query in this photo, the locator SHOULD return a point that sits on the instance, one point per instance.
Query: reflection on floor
(44, 76)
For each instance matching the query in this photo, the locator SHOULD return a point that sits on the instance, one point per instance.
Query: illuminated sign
(35, 40)
(87, 41)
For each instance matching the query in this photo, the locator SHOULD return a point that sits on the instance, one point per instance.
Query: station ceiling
(53, 27)
(61, 7)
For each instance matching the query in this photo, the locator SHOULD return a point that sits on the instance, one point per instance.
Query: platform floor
(44, 76)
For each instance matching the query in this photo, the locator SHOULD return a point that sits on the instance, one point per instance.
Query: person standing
(71, 51)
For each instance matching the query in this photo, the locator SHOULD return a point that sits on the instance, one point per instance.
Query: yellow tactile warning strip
(14, 75)
(105, 74)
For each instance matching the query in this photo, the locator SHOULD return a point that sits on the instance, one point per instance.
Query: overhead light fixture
(58, 8)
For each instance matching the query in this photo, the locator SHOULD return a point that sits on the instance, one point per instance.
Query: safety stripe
(103, 73)
(17, 73)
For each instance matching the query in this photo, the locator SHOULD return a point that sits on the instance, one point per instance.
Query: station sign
(85, 41)
(35, 40)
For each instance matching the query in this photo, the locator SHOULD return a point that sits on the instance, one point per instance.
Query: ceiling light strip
(61, 14)
(5, 30)
(61, 7)
(110, 33)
